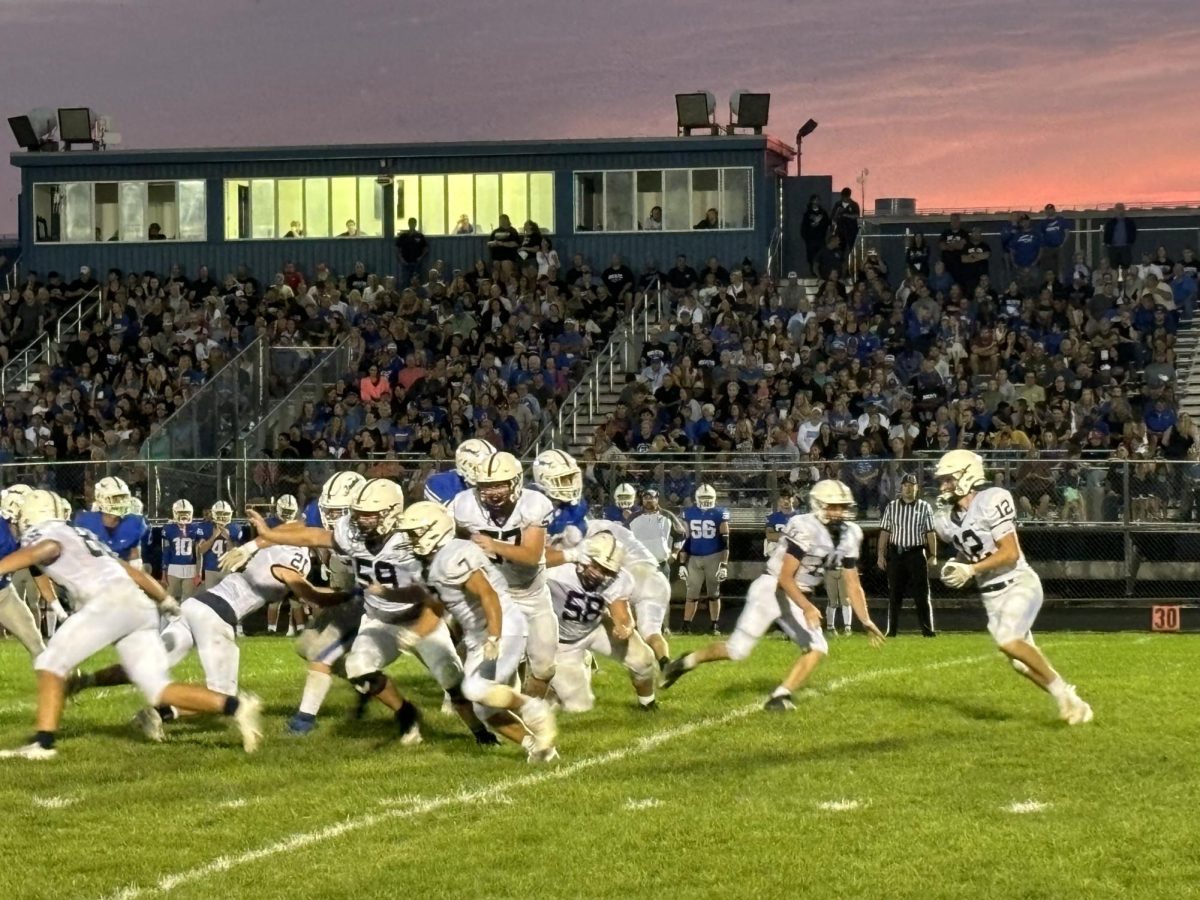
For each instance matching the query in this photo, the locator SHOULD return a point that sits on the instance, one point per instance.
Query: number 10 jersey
(977, 531)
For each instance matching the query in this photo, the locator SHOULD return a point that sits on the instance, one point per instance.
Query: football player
(15, 615)
(785, 508)
(472, 591)
(285, 510)
(822, 539)
(510, 524)
(623, 508)
(443, 487)
(583, 591)
(118, 606)
(980, 522)
(179, 555)
(704, 557)
(557, 475)
(217, 536)
(113, 520)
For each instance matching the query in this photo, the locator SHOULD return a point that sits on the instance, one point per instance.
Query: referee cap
(909, 479)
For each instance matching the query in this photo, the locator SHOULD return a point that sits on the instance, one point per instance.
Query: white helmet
(112, 496)
(828, 496)
(470, 455)
(12, 498)
(965, 468)
(182, 512)
(287, 507)
(376, 508)
(428, 525)
(136, 507)
(498, 483)
(625, 496)
(558, 475)
(221, 512)
(706, 496)
(42, 506)
(601, 562)
(337, 494)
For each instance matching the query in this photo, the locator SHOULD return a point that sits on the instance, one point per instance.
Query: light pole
(805, 130)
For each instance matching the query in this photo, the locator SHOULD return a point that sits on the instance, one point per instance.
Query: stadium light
(34, 130)
(805, 130)
(695, 110)
(749, 110)
(75, 126)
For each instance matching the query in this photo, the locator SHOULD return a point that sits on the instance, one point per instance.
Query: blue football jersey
(776, 521)
(8, 544)
(179, 544)
(312, 515)
(444, 487)
(212, 556)
(616, 514)
(568, 515)
(123, 539)
(703, 527)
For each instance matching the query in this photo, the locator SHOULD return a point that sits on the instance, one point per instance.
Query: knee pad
(370, 684)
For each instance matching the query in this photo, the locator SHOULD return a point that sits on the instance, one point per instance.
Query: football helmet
(602, 559)
(831, 501)
(112, 496)
(287, 508)
(337, 494)
(470, 455)
(136, 507)
(625, 496)
(182, 512)
(706, 496)
(376, 508)
(221, 512)
(12, 498)
(499, 482)
(558, 475)
(957, 474)
(42, 506)
(428, 525)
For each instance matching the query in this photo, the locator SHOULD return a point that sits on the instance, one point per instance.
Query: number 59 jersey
(531, 509)
(392, 565)
(977, 531)
(579, 610)
(812, 542)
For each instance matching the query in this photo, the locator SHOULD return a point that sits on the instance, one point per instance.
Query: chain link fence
(1093, 529)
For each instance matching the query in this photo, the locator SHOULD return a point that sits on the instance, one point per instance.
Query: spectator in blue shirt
(1159, 417)
(1183, 290)
(1025, 249)
(1054, 229)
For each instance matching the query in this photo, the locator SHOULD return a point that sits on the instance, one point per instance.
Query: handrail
(17, 370)
(1103, 207)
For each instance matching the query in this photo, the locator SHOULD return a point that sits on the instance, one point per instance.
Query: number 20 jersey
(812, 542)
(531, 509)
(976, 531)
(392, 565)
(579, 610)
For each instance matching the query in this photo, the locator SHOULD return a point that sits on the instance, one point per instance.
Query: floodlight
(806, 129)
(35, 129)
(695, 110)
(749, 110)
(75, 125)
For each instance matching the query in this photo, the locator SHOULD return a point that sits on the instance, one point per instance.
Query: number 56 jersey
(976, 531)
(531, 509)
(818, 548)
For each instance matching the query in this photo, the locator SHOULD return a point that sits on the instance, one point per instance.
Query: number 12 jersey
(977, 531)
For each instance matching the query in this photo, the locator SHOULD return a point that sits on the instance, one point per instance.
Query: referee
(907, 548)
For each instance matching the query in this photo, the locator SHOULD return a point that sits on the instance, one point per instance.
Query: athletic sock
(44, 739)
(231, 706)
(646, 701)
(831, 617)
(1058, 688)
(847, 616)
(780, 691)
(316, 688)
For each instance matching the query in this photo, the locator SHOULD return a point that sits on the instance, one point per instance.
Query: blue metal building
(223, 208)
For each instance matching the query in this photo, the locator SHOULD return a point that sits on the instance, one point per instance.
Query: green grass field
(923, 769)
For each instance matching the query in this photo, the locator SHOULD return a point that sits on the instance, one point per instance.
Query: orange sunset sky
(997, 103)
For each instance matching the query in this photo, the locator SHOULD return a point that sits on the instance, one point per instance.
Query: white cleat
(412, 737)
(1072, 710)
(29, 751)
(447, 706)
(248, 719)
(539, 719)
(151, 724)
(542, 757)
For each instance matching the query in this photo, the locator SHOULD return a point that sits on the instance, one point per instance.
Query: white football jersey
(531, 509)
(809, 539)
(255, 586)
(579, 610)
(86, 568)
(636, 553)
(976, 531)
(451, 567)
(392, 565)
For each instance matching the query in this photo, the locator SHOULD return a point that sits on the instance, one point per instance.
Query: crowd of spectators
(1015, 349)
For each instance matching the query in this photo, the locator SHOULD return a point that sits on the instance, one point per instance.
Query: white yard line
(1023, 807)
(54, 802)
(840, 805)
(409, 807)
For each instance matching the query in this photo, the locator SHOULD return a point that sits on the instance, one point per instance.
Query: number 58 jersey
(977, 531)
(812, 542)
(578, 609)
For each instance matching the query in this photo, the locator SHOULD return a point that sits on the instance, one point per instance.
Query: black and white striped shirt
(907, 524)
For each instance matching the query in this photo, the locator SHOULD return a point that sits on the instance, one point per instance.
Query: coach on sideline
(907, 549)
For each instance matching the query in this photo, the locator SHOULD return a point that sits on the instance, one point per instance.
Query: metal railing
(20, 368)
(298, 375)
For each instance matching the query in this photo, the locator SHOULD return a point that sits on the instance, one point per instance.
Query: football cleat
(779, 704)
(673, 671)
(542, 757)
(540, 721)
(486, 739)
(408, 721)
(300, 724)
(31, 750)
(651, 707)
(79, 681)
(151, 724)
(248, 719)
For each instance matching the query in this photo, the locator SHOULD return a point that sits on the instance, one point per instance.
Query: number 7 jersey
(977, 531)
